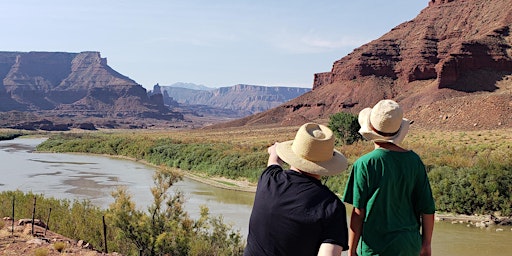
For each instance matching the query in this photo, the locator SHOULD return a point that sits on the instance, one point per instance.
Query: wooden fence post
(47, 222)
(33, 215)
(105, 234)
(12, 226)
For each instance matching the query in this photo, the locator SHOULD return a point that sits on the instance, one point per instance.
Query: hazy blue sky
(210, 42)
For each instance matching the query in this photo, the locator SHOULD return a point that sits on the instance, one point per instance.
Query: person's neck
(389, 146)
(316, 176)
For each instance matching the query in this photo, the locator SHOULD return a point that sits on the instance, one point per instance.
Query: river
(78, 176)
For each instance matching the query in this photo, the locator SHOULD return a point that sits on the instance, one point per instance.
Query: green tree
(345, 127)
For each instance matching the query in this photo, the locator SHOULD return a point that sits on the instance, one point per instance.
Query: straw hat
(384, 122)
(312, 151)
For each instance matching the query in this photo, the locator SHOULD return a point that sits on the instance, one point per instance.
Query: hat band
(384, 134)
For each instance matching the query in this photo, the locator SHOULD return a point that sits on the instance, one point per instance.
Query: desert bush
(59, 246)
(472, 190)
(167, 228)
(215, 237)
(40, 252)
(345, 127)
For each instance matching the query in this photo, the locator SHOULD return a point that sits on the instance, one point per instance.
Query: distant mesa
(72, 89)
(232, 101)
(191, 86)
(61, 91)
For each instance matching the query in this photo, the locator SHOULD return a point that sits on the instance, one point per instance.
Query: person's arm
(355, 230)
(427, 229)
(327, 249)
(273, 159)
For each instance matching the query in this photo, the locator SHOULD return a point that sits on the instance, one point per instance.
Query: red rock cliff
(450, 67)
(447, 41)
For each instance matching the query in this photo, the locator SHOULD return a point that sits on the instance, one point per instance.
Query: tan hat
(384, 122)
(312, 151)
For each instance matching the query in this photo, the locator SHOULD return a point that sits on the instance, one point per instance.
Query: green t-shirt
(394, 190)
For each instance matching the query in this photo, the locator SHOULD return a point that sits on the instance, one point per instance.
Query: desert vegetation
(10, 134)
(165, 228)
(470, 173)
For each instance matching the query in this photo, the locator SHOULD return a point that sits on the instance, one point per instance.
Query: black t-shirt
(293, 214)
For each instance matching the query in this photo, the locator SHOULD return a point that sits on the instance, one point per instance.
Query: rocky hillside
(241, 99)
(450, 67)
(71, 87)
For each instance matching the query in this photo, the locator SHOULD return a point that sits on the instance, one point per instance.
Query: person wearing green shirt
(393, 208)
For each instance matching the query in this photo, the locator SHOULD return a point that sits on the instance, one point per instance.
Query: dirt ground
(22, 242)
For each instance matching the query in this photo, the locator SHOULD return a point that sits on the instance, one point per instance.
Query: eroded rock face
(74, 84)
(454, 59)
(446, 41)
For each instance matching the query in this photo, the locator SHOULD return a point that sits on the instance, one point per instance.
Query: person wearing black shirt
(293, 212)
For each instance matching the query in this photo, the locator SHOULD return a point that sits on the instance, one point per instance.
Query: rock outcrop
(449, 67)
(73, 85)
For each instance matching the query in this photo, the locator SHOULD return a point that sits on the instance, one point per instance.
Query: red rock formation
(445, 41)
(453, 50)
(74, 85)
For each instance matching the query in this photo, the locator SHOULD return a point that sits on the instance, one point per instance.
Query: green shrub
(59, 246)
(472, 190)
(10, 135)
(345, 127)
(40, 252)
(167, 228)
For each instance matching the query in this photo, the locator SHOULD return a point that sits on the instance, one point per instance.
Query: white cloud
(316, 44)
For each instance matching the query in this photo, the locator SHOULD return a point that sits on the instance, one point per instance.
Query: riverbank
(219, 182)
(479, 221)
(192, 155)
(499, 223)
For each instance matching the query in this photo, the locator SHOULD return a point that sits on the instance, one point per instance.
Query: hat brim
(369, 134)
(337, 164)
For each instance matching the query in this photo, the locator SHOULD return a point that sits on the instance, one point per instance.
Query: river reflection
(76, 176)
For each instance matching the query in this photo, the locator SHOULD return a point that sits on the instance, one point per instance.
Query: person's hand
(273, 158)
(272, 149)
(426, 250)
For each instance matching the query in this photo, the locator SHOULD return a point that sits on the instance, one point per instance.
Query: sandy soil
(22, 242)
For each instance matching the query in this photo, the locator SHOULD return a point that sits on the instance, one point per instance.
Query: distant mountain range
(190, 86)
(240, 100)
(60, 91)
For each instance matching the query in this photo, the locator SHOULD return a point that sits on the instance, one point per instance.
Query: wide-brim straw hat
(384, 122)
(312, 151)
